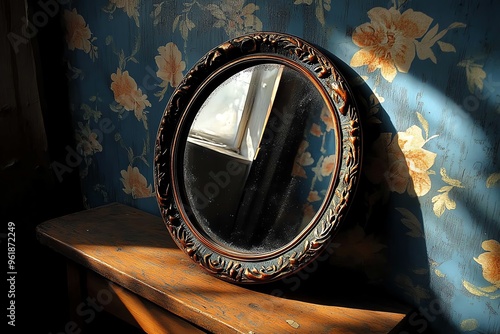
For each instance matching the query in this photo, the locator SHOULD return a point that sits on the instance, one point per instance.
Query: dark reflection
(239, 158)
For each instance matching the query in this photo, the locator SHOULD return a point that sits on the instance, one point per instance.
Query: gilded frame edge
(348, 171)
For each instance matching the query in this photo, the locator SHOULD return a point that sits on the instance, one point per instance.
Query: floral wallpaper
(426, 79)
(315, 162)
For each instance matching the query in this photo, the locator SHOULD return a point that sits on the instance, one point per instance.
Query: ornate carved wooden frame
(254, 48)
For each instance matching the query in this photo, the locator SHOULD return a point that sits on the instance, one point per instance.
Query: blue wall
(427, 78)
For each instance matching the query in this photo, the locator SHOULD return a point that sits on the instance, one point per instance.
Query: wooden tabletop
(134, 249)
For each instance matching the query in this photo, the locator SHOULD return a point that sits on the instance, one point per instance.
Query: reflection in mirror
(234, 115)
(244, 182)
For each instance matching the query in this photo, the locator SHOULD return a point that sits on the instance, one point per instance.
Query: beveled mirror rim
(260, 268)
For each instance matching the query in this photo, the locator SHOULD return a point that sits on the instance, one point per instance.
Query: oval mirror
(258, 157)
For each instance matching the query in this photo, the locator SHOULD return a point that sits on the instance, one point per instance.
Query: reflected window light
(233, 118)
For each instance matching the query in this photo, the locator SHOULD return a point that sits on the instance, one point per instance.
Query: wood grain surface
(133, 250)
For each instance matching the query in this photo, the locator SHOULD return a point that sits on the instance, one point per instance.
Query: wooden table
(123, 261)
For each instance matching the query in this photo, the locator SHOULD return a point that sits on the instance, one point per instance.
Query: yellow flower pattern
(417, 159)
(128, 95)
(170, 67)
(78, 34)
(302, 159)
(422, 190)
(493, 180)
(87, 141)
(321, 7)
(490, 263)
(443, 201)
(474, 74)
(130, 7)
(389, 42)
(402, 163)
(135, 184)
(234, 16)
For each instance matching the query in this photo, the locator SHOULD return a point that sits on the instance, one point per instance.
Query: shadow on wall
(370, 252)
(35, 127)
(384, 235)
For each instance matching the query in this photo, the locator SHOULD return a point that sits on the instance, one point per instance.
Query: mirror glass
(257, 157)
(246, 154)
